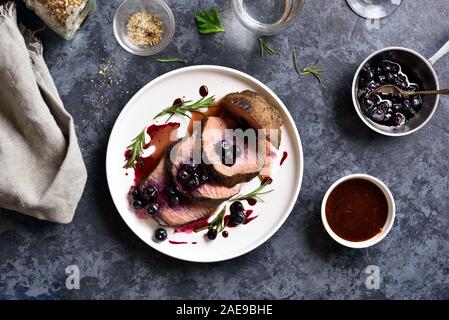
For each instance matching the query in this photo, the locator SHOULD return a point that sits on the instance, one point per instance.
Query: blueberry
(238, 217)
(384, 105)
(367, 109)
(378, 114)
(212, 234)
(402, 84)
(368, 103)
(173, 200)
(397, 99)
(386, 66)
(381, 79)
(367, 73)
(362, 93)
(413, 87)
(378, 70)
(137, 204)
(401, 77)
(416, 102)
(160, 234)
(396, 106)
(236, 206)
(399, 119)
(204, 177)
(372, 85)
(193, 166)
(407, 108)
(183, 175)
(135, 193)
(374, 98)
(171, 190)
(394, 68)
(193, 182)
(153, 209)
(150, 193)
(390, 77)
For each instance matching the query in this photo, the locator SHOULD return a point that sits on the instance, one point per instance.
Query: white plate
(139, 113)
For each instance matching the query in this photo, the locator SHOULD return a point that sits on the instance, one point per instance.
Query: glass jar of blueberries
(384, 109)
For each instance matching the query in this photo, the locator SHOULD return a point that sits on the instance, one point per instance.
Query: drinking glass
(374, 9)
(267, 16)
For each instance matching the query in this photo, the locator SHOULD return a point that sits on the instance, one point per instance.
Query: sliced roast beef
(256, 111)
(231, 154)
(191, 177)
(174, 210)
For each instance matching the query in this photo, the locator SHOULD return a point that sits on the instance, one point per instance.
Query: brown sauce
(357, 210)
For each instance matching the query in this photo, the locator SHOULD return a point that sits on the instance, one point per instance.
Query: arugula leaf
(208, 22)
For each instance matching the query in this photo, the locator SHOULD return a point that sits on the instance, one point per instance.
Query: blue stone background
(300, 261)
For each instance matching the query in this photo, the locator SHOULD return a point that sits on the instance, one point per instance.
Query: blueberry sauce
(160, 139)
(284, 156)
(177, 242)
(251, 201)
(191, 227)
(230, 224)
(384, 109)
(181, 242)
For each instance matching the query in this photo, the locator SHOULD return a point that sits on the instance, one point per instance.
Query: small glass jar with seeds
(63, 16)
(144, 27)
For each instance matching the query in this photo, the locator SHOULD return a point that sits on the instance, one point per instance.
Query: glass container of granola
(63, 16)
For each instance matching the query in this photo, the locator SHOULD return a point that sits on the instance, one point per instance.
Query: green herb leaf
(165, 60)
(217, 223)
(313, 70)
(256, 193)
(265, 48)
(135, 150)
(182, 109)
(208, 22)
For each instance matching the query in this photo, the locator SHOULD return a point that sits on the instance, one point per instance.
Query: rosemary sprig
(182, 109)
(264, 47)
(217, 223)
(136, 149)
(294, 63)
(313, 70)
(256, 193)
(165, 60)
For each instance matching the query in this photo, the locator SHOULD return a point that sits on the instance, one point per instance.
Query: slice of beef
(171, 214)
(180, 158)
(231, 154)
(256, 111)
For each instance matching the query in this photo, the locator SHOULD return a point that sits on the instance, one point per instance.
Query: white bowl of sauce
(358, 211)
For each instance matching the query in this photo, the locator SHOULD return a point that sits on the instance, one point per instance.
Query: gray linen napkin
(42, 173)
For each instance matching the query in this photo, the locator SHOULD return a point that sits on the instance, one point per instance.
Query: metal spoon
(395, 91)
